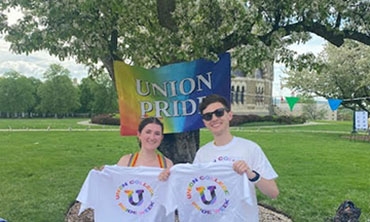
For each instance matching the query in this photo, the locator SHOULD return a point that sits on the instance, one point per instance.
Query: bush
(241, 119)
(111, 119)
(106, 119)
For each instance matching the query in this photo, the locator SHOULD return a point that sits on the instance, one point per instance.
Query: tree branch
(165, 8)
(338, 21)
(334, 36)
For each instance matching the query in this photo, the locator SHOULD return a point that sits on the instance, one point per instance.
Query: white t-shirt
(207, 192)
(124, 194)
(239, 149)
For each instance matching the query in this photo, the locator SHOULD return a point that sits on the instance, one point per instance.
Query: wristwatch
(256, 178)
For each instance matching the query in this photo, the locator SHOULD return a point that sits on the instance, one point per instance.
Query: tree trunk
(180, 147)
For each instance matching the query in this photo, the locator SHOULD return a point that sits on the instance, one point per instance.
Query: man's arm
(267, 187)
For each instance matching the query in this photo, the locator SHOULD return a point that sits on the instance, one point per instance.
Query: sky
(37, 63)
(315, 46)
(34, 64)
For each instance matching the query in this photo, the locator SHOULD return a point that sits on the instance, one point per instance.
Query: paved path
(86, 123)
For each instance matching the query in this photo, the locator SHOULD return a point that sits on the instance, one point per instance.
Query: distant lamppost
(354, 121)
(354, 116)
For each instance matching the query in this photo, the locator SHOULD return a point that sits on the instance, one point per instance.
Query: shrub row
(106, 119)
(111, 119)
(241, 119)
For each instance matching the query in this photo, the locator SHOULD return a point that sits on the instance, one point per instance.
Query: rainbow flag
(172, 92)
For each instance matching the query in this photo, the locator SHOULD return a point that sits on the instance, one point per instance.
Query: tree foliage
(98, 95)
(32, 97)
(343, 73)
(157, 32)
(17, 93)
(36, 84)
(86, 95)
(311, 110)
(58, 94)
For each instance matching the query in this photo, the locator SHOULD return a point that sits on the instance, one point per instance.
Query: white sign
(361, 120)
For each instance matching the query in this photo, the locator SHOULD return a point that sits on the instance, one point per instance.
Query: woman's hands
(163, 176)
(100, 168)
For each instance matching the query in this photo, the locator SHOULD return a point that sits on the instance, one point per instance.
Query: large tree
(35, 82)
(339, 72)
(17, 93)
(58, 95)
(105, 96)
(98, 95)
(157, 32)
(86, 95)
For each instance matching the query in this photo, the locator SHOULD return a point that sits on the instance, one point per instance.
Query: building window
(232, 94)
(237, 95)
(242, 95)
(259, 95)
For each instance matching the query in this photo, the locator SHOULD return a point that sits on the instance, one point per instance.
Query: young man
(246, 155)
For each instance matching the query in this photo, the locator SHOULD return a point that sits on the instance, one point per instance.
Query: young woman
(150, 135)
(132, 181)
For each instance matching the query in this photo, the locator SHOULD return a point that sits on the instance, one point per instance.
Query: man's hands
(240, 166)
(267, 187)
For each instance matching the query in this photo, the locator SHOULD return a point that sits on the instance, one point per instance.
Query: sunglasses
(218, 112)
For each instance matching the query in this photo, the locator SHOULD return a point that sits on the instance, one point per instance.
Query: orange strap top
(161, 159)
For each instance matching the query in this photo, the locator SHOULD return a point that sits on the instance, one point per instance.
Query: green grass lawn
(42, 171)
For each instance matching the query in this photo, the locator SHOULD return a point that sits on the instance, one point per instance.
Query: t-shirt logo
(224, 159)
(208, 194)
(135, 197)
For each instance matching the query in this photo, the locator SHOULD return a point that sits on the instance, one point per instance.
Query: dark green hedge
(110, 119)
(242, 119)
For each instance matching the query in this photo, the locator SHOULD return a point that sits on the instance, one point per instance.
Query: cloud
(36, 63)
(314, 45)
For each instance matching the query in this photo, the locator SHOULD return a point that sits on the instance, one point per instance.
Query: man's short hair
(213, 98)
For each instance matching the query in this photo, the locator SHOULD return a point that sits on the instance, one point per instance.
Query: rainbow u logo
(211, 189)
(131, 198)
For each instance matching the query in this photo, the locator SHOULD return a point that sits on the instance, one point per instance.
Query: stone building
(253, 94)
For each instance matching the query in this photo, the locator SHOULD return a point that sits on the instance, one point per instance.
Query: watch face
(256, 178)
